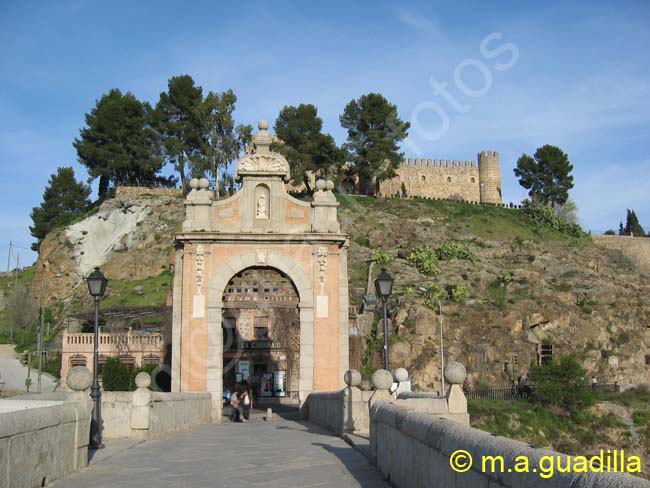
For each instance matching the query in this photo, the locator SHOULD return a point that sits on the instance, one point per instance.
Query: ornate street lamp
(96, 287)
(384, 289)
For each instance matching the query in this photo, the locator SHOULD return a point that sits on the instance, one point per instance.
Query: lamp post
(96, 287)
(384, 288)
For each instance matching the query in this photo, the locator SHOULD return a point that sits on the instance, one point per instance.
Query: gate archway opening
(261, 334)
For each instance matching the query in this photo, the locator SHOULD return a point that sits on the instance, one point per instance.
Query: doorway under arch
(261, 333)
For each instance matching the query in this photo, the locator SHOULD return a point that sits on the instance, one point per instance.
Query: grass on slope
(544, 427)
(122, 293)
(487, 222)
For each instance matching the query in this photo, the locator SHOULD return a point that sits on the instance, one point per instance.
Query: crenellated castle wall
(448, 179)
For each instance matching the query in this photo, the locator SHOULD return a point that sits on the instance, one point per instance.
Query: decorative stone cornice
(263, 162)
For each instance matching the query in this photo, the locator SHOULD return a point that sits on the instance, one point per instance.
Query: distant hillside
(527, 287)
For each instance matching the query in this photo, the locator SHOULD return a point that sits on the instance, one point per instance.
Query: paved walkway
(276, 454)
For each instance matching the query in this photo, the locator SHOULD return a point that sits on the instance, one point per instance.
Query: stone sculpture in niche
(261, 212)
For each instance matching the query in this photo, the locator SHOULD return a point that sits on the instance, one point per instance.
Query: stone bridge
(346, 438)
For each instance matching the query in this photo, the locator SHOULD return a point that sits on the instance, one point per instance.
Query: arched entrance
(261, 334)
(259, 234)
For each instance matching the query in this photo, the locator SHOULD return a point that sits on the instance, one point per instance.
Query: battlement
(438, 163)
(489, 154)
(471, 181)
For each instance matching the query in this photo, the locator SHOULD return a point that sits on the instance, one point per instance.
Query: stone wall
(135, 191)
(340, 411)
(41, 444)
(448, 179)
(413, 449)
(635, 248)
(150, 415)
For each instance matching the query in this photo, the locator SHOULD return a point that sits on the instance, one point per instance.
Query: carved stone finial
(79, 378)
(455, 373)
(143, 380)
(381, 379)
(352, 377)
(263, 161)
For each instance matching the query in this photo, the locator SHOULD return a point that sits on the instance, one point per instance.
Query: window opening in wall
(546, 354)
(424, 178)
(448, 179)
(472, 180)
(77, 360)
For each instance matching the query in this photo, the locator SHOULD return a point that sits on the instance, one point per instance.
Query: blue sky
(580, 80)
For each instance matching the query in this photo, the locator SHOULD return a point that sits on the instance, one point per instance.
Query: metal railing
(527, 391)
(492, 393)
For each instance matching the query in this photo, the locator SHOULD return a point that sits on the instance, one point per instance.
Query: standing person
(247, 402)
(234, 403)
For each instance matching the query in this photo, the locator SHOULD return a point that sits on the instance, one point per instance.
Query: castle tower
(489, 174)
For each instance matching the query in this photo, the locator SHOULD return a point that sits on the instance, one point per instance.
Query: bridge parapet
(414, 448)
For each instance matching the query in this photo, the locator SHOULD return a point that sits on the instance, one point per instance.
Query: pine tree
(63, 200)
(118, 144)
(178, 123)
(374, 132)
(547, 175)
(304, 145)
(220, 140)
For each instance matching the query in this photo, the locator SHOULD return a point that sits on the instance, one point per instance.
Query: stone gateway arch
(240, 262)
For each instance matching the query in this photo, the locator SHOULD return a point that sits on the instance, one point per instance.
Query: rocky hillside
(130, 237)
(524, 287)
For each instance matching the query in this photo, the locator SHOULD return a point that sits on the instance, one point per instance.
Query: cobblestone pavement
(277, 454)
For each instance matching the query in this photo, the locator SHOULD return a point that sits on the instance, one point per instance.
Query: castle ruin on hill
(446, 179)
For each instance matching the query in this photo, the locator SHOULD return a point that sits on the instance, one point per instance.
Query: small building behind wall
(132, 348)
(260, 286)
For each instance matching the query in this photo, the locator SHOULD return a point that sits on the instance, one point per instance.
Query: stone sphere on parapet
(455, 373)
(263, 124)
(381, 379)
(352, 377)
(329, 185)
(79, 378)
(320, 184)
(194, 183)
(401, 375)
(142, 380)
(204, 183)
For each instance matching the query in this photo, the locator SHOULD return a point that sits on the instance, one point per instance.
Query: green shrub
(454, 250)
(432, 295)
(363, 241)
(503, 278)
(425, 259)
(458, 292)
(117, 376)
(562, 382)
(381, 258)
(545, 216)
